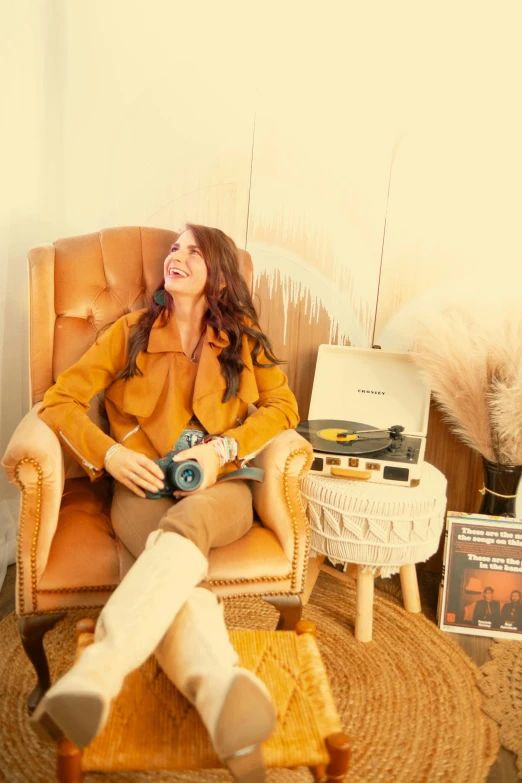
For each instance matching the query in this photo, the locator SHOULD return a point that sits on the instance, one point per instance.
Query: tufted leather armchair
(68, 554)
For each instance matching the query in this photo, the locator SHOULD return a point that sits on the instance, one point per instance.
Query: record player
(368, 415)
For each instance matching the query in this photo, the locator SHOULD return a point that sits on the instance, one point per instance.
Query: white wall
(159, 119)
(456, 197)
(31, 182)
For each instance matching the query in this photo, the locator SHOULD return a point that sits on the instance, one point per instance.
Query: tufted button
(90, 319)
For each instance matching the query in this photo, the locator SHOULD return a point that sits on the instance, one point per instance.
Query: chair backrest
(80, 284)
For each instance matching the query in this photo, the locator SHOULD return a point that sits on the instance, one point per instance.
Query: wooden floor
(477, 647)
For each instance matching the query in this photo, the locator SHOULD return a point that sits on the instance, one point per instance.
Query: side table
(379, 528)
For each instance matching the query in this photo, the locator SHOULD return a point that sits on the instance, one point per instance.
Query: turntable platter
(333, 437)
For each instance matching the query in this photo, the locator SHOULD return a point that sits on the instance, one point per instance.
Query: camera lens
(186, 476)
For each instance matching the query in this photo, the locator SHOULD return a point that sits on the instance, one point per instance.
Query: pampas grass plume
(467, 345)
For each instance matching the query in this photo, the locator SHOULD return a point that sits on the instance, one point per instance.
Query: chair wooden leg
(410, 588)
(364, 605)
(338, 746)
(290, 610)
(69, 763)
(319, 773)
(32, 631)
(314, 565)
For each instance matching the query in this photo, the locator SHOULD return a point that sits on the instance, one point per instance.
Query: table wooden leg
(364, 605)
(314, 565)
(410, 588)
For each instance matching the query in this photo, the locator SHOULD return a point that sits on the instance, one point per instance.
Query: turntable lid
(381, 388)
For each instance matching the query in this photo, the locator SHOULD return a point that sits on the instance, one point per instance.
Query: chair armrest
(34, 462)
(277, 499)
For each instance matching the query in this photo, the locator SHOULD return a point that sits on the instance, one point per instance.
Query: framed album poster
(481, 587)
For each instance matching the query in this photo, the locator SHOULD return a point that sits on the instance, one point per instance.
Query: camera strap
(248, 474)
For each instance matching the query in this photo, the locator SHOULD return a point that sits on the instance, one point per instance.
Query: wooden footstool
(153, 727)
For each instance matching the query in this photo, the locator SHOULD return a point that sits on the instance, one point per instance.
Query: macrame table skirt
(376, 525)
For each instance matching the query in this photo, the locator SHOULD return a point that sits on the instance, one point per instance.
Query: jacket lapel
(139, 396)
(164, 335)
(248, 390)
(141, 393)
(210, 380)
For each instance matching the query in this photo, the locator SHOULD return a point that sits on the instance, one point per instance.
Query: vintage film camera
(183, 476)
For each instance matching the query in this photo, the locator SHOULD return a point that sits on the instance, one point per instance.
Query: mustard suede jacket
(149, 412)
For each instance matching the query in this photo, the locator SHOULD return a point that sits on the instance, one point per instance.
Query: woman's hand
(135, 471)
(207, 458)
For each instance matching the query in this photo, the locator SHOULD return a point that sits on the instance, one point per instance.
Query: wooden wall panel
(299, 348)
(461, 465)
(462, 468)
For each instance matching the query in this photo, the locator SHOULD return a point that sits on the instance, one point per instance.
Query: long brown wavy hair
(230, 308)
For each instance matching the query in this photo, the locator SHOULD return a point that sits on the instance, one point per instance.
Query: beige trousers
(213, 517)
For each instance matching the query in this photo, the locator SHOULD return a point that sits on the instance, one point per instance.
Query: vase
(503, 481)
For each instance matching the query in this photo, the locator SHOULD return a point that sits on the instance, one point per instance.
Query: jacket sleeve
(276, 410)
(65, 405)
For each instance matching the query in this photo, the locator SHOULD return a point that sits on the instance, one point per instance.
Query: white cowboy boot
(130, 626)
(235, 706)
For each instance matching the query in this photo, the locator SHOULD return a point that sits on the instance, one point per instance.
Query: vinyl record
(327, 435)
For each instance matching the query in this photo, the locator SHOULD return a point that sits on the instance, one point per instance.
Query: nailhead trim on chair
(293, 517)
(257, 595)
(21, 599)
(94, 589)
(308, 539)
(251, 580)
(217, 582)
(58, 609)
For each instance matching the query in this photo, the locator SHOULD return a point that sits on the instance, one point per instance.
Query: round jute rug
(502, 686)
(409, 699)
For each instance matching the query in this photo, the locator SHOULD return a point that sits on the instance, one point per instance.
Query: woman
(187, 366)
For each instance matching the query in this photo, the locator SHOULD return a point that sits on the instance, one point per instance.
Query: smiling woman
(185, 262)
(188, 365)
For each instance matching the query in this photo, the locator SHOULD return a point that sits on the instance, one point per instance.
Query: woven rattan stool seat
(153, 727)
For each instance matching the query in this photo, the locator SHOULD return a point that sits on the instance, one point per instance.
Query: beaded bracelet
(110, 451)
(233, 446)
(226, 449)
